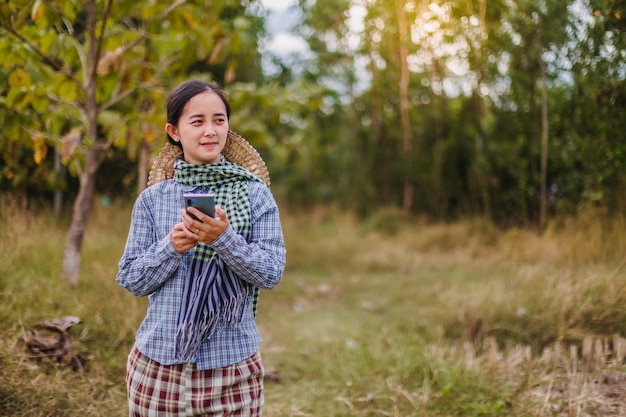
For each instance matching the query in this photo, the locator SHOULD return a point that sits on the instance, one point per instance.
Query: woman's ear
(172, 131)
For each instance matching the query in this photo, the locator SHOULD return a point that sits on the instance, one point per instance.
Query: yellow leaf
(69, 142)
(19, 78)
(41, 148)
(230, 74)
(37, 11)
(5, 11)
(215, 53)
(110, 59)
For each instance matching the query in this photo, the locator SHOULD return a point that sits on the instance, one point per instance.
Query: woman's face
(202, 128)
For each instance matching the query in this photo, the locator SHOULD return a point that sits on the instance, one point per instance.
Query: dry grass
(385, 318)
(453, 287)
(405, 245)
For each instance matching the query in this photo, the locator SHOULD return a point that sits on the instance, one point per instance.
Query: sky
(280, 21)
(282, 16)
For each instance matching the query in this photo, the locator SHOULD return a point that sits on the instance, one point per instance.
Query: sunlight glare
(279, 4)
(432, 26)
(436, 9)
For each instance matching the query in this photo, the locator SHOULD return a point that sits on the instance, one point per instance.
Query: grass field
(383, 318)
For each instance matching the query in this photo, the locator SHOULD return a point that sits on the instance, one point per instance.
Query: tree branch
(118, 98)
(70, 30)
(71, 103)
(100, 39)
(173, 7)
(54, 64)
(59, 12)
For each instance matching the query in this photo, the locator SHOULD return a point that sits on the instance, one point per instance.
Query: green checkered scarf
(213, 295)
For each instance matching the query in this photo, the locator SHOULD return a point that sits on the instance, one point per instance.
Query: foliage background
(473, 93)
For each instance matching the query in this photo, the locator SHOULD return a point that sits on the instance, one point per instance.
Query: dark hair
(180, 96)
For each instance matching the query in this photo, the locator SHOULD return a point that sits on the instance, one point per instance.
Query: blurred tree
(329, 159)
(403, 98)
(486, 91)
(534, 68)
(594, 141)
(511, 110)
(91, 71)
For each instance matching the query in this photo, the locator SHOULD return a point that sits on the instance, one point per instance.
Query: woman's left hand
(206, 229)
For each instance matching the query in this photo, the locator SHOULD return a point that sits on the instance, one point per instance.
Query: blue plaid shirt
(151, 267)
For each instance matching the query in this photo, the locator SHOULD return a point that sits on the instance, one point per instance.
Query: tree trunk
(94, 155)
(544, 137)
(58, 194)
(144, 162)
(438, 201)
(403, 89)
(378, 145)
(480, 166)
(80, 215)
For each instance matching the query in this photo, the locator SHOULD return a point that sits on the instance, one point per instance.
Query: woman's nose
(209, 130)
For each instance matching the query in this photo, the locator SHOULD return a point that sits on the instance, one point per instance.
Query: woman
(197, 351)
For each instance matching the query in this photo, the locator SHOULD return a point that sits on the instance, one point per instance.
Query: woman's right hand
(182, 239)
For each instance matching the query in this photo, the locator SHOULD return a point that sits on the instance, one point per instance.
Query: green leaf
(40, 105)
(20, 19)
(5, 12)
(47, 42)
(15, 97)
(70, 9)
(68, 89)
(19, 78)
(110, 120)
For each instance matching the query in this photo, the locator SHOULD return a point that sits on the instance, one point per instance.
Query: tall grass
(391, 317)
(32, 291)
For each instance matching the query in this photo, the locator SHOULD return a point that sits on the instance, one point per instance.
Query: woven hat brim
(237, 150)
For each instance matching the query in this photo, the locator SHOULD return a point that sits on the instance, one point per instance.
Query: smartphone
(203, 202)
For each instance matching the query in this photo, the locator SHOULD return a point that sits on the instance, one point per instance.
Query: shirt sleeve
(261, 261)
(149, 259)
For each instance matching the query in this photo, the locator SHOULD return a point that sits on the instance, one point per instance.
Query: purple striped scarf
(213, 295)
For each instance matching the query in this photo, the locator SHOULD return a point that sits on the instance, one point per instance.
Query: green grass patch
(411, 319)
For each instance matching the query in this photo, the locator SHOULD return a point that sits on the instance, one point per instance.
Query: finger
(189, 223)
(221, 214)
(182, 239)
(187, 219)
(199, 215)
(188, 215)
(184, 234)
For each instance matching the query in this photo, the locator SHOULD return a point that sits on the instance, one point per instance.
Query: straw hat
(237, 150)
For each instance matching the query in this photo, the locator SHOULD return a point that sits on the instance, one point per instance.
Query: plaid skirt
(182, 390)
